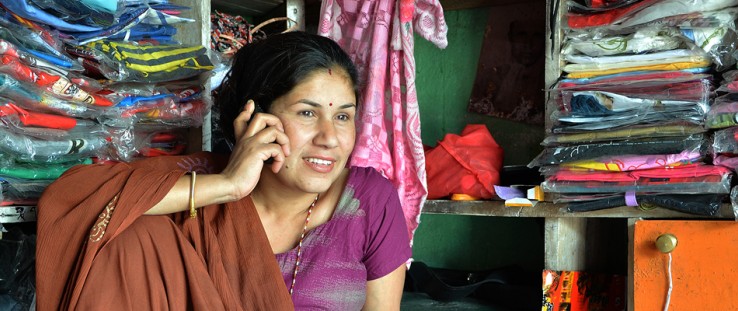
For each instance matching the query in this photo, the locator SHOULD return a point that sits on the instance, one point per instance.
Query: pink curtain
(378, 34)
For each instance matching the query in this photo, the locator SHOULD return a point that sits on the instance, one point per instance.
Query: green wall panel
(444, 82)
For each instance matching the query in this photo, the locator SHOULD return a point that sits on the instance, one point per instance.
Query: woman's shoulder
(368, 183)
(368, 175)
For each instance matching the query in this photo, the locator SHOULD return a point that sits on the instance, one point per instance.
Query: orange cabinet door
(704, 265)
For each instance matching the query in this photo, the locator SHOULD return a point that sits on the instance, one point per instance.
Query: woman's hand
(259, 137)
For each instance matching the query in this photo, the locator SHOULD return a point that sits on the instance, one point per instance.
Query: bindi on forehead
(330, 71)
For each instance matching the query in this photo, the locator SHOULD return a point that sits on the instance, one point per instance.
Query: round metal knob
(666, 242)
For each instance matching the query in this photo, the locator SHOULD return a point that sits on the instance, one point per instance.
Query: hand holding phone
(260, 141)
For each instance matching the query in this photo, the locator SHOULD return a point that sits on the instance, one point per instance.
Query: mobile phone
(257, 109)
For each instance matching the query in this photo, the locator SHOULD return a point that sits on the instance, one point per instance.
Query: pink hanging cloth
(378, 34)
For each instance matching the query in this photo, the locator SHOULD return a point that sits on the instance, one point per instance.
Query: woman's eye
(344, 117)
(306, 113)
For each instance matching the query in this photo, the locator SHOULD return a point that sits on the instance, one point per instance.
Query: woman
(338, 232)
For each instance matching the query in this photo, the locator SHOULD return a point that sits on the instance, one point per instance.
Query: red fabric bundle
(469, 163)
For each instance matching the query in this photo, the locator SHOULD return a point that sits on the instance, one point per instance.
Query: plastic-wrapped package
(611, 64)
(636, 162)
(667, 8)
(146, 63)
(662, 145)
(588, 113)
(718, 42)
(598, 6)
(727, 161)
(18, 191)
(7, 48)
(692, 178)
(609, 17)
(126, 22)
(644, 12)
(129, 143)
(40, 44)
(696, 204)
(635, 77)
(645, 40)
(725, 141)
(729, 81)
(45, 171)
(723, 112)
(27, 97)
(56, 85)
(619, 96)
(27, 148)
(734, 201)
(630, 132)
(17, 273)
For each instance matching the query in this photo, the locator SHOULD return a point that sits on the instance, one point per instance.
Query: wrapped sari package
(697, 204)
(692, 178)
(725, 141)
(647, 146)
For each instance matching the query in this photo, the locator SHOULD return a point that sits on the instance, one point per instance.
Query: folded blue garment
(25, 10)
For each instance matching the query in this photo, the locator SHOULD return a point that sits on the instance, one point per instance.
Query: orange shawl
(96, 250)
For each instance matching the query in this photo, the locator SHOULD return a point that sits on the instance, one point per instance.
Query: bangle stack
(193, 211)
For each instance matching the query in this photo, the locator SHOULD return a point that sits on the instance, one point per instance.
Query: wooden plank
(548, 209)
(565, 240)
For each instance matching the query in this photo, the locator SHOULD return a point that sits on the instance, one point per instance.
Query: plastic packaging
(52, 151)
(662, 145)
(734, 201)
(28, 98)
(121, 61)
(723, 112)
(50, 83)
(686, 179)
(696, 204)
(725, 141)
(631, 132)
(19, 191)
(646, 40)
(17, 273)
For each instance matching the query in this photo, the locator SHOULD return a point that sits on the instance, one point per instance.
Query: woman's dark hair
(272, 67)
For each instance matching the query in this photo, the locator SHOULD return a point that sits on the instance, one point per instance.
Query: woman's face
(318, 118)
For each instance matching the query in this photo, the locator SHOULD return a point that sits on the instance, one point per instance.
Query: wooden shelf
(551, 210)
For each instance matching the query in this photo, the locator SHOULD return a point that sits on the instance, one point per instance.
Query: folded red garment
(37, 119)
(608, 17)
(686, 171)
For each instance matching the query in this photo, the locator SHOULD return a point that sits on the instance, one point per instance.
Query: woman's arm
(256, 141)
(385, 293)
(209, 189)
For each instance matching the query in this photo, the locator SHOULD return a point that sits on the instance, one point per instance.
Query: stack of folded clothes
(91, 80)
(627, 118)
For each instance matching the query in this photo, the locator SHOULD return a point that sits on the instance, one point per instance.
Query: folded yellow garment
(660, 67)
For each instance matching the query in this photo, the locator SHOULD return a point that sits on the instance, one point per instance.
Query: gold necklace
(299, 244)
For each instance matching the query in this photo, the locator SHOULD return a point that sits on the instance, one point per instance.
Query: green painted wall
(444, 82)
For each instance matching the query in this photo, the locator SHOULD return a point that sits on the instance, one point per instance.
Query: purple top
(365, 239)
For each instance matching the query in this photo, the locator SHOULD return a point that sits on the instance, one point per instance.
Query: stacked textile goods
(91, 80)
(627, 120)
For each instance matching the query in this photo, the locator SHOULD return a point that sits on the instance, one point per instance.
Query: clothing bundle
(630, 116)
(91, 80)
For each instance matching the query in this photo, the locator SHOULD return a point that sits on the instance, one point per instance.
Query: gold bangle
(193, 211)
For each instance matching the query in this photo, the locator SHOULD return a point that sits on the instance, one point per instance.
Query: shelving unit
(551, 210)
